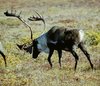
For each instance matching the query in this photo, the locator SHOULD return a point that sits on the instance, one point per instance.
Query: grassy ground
(22, 70)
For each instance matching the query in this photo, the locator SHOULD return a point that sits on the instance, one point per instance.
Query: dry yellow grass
(23, 70)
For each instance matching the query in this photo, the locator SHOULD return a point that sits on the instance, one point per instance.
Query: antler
(13, 14)
(37, 18)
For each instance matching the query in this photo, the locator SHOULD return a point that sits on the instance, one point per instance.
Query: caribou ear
(20, 46)
(28, 49)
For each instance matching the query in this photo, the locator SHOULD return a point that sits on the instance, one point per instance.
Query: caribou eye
(35, 42)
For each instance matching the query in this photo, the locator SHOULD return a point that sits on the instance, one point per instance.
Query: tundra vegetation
(23, 70)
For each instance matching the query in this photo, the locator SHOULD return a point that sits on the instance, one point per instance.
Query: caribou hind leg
(4, 57)
(82, 47)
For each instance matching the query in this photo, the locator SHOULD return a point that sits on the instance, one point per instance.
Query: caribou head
(33, 47)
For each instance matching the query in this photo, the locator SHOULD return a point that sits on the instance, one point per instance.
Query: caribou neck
(42, 43)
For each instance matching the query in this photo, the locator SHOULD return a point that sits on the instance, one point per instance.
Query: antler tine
(38, 14)
(10, 14)
(37, 18)
(41, 18)
(20, 13)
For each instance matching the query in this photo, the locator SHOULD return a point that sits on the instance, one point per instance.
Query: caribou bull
(57, 38)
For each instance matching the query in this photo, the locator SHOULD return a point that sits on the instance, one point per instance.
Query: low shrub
(92, 38)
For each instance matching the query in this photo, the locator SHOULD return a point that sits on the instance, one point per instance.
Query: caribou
(57, 38)
(2, 53)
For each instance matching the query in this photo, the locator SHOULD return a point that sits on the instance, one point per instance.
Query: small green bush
(92, 38)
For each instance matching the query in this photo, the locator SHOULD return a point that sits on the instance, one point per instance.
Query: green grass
(22, 70)
(9, 22)
(93, 38)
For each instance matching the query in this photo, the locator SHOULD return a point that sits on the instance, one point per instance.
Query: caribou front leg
(76, 58)
(49, 57)
(60, 55)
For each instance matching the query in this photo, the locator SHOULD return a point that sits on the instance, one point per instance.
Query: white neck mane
(42, 43)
